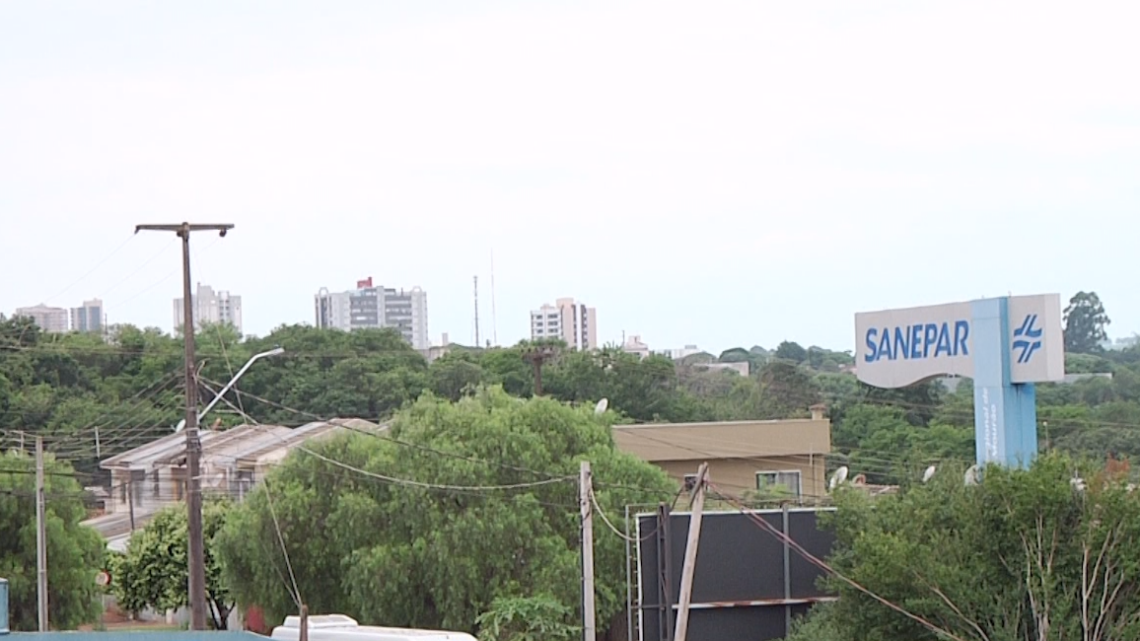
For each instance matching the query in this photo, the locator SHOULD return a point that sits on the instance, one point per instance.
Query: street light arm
(222, 392)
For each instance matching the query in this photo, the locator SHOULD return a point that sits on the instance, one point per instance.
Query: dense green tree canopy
(1024, 555)
(430, 553)
(74, 552)
(154, 572)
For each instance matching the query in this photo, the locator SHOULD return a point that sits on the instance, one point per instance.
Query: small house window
(789, 479)
(690, 482)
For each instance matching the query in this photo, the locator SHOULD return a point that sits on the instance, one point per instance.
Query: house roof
(659, 442)
(230, 444)
(240, 443)
(145, 456)
(316, 429)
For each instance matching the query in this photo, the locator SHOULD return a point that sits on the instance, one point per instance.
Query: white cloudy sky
(720, 173)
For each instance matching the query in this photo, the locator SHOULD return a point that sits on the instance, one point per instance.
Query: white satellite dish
(600, 408)
(838, 477)
(928, 474)
(971, 476)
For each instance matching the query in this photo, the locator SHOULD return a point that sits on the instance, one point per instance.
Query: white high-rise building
(218, 308)
(333, 309)
(89, 317)
(376, 306)
(48, 319)
(566, 320)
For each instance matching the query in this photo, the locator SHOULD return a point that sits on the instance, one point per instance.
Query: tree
(1085, 322)
(74, 552)
(438, 556)
(791, 351)
(153, 573)
(1022, 555)
(537, 618)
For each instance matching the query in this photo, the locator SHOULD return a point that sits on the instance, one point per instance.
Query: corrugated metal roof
(316, 429)
(243, 442)
(144, 456)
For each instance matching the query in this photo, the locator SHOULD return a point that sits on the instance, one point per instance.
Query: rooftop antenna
(494, 321)
(476, 310)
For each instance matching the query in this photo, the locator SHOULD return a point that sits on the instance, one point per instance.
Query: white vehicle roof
(338, 627)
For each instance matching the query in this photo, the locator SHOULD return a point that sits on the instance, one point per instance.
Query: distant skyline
(724, 174)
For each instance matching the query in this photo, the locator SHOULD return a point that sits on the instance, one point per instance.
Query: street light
(273, 352)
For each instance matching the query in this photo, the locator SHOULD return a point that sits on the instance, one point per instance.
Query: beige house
(153, 476)
(742, 455)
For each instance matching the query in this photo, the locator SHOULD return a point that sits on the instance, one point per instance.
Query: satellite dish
(928, 474)
(600, 408)
(971, 476)
(838, 477)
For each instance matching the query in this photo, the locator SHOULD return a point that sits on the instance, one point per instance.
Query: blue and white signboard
(1004, 344)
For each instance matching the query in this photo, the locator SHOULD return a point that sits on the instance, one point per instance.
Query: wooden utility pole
(690, 566)
(585, 488)
(304, 632)
(538, 357)
(197, 560)
(41, 538)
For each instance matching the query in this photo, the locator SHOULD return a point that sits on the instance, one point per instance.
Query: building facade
(742, 455)
(209, 306)
(333, 309)
(48, 319)
(568, 321)
(634, 345)
(89, 317)
(376, 306)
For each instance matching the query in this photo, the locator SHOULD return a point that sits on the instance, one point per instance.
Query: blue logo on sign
(1028, 338)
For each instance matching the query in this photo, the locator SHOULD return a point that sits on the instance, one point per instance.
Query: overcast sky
(719, 173)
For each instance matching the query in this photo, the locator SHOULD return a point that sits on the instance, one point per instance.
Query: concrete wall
(735, 476)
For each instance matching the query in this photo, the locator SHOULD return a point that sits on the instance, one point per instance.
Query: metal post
(584, 488)
(665, 615)
(628, 579)
(690, 566)
(197, 557)
(41, 538)
(131, 502)
(787, 575)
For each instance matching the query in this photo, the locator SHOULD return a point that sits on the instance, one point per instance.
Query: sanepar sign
(1005, 344)
(901, 347)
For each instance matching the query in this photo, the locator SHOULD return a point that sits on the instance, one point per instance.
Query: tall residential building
(566, 320)
(49, 319)
(89, 317)
(376, 306)
(218, 308)
(333, 309)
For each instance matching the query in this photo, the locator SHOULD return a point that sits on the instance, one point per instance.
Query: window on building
(789, 479)
(690, 482)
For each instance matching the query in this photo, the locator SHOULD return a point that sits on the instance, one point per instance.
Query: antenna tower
(494, 320)
(476, 311)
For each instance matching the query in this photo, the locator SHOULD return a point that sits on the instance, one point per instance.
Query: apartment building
(333, 310)
(48, 319)
(209, 306)
(371, 305)
(89, 317)
(566, 320)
